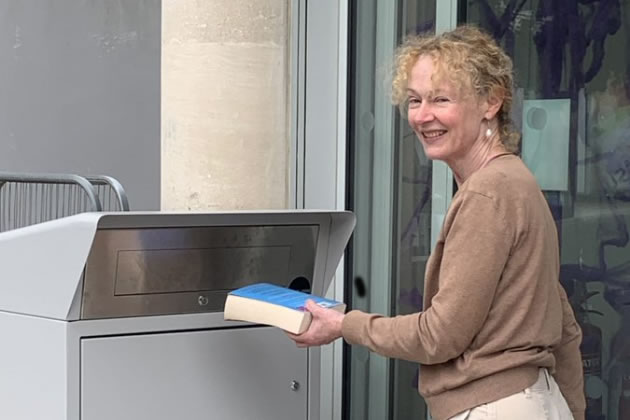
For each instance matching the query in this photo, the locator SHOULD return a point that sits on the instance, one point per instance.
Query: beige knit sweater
(494, 310)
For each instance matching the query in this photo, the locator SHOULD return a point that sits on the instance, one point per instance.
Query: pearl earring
(488, 132)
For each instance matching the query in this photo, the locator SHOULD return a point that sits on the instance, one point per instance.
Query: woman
(497, 338)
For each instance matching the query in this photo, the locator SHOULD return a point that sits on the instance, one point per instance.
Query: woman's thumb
(311, 306)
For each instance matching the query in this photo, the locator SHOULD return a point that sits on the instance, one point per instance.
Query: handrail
(49, 178)
(114, 185)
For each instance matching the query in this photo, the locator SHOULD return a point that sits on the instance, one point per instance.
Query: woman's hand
(325, 326)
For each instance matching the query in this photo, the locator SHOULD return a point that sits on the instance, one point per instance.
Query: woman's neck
(476, 159)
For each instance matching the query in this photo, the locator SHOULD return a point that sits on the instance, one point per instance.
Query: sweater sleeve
(568, 373)
(476, 245)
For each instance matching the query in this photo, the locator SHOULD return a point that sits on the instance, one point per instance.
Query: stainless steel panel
(194, 270)
(244, 374)
(132, 272)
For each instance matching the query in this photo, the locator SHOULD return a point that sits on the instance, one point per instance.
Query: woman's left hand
(325, 326)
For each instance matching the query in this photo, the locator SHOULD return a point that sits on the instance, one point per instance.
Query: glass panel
(573, 74)
(392, 201)
(413, 237)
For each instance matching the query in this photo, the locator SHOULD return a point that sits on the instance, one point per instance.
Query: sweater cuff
(352, 326)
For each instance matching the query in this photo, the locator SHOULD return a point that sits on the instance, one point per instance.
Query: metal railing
(27, 199)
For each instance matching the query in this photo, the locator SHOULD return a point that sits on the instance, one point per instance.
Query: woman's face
(446, 120)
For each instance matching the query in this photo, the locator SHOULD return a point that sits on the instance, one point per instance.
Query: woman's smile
(432, 135)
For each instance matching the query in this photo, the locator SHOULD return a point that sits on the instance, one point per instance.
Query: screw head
(295, 385)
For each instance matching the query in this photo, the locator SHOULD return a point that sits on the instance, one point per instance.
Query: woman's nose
(421, 114)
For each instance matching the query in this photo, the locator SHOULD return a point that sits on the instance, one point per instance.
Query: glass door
(392, 197)
(573, 87)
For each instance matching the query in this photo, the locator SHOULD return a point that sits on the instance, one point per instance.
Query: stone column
(225, 104)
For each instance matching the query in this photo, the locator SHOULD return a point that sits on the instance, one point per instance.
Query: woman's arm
(461, 281)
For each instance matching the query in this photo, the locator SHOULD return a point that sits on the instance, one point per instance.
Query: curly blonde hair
(469, 57)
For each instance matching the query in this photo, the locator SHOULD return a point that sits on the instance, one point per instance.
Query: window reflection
(576, 52)
(413, 245)
(410, 189)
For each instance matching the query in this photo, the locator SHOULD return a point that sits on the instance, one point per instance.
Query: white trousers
(541, 401)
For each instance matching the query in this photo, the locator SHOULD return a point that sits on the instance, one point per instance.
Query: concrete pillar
(225, 104)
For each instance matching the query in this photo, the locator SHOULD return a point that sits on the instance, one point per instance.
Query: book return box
(119, 315)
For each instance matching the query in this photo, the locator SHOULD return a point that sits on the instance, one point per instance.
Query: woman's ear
(494, 102)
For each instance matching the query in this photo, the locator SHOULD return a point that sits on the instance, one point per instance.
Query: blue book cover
(282, 296)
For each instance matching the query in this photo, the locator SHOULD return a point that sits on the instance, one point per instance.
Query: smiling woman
(496, 326)
(479, 81)
(452, 124)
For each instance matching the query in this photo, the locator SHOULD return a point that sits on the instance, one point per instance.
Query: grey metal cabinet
(246, 373)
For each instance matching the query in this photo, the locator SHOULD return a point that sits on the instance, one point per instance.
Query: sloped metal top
(41, 266)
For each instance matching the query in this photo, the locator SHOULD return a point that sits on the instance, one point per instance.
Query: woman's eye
(414, 101)
(440, 99)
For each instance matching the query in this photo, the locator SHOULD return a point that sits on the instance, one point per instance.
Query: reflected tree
(577, 26)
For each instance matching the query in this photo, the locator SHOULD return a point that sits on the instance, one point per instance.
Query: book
(270, 304)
